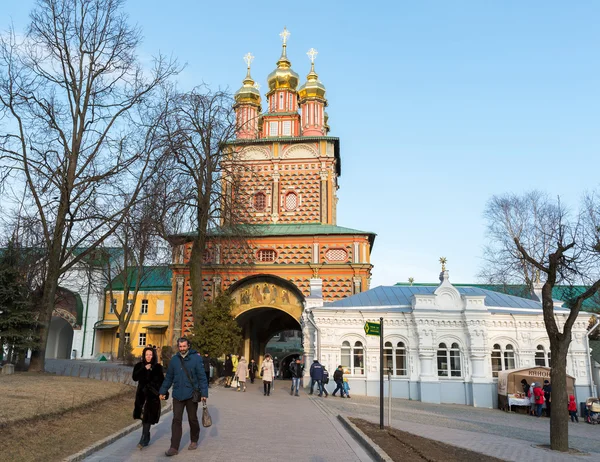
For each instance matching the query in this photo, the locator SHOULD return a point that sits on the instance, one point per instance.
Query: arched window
(260, 201)
(496, 360)
(542, 358)
(353, 358)
(503, 359)
(448, 359)
(394, 358)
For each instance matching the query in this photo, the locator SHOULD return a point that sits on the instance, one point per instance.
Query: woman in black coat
(149, 376)
(228, 371)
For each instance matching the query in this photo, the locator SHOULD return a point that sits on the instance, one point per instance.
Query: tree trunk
(559, 424)
(38, 356)
(121, 349)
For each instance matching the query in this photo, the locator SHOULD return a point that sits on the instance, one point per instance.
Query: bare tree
(77, 128)
(200, 177)
(534, 239)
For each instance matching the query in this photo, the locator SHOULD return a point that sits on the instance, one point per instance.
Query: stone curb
(110, 439)
(372, 448)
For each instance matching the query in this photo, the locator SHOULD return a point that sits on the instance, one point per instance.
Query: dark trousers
(252, 375)
(319, 384)
(267, 387)
(207, 376)
(192, 412)
(339, 386)
(548, 408)
(574, 417)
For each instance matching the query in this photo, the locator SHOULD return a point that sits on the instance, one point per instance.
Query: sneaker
(192, 446)
(171, 452)
(296, 394)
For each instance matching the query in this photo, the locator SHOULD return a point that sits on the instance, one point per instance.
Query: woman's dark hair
(154, 359)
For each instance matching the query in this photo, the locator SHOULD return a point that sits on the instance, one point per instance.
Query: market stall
(510, 389)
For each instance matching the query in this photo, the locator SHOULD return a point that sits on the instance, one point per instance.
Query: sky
(438, 105)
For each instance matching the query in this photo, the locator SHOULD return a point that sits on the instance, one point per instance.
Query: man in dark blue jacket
(316, 376)
(182, 392)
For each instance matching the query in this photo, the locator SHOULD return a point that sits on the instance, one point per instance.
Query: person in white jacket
(267, 371)
(242, 372)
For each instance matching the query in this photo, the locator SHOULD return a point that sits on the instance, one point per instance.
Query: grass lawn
(46, 418)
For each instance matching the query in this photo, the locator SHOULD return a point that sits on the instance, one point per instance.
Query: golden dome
(248, 94)
(283, 78)
(313, 88)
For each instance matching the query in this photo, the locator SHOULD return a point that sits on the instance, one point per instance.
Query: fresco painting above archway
(266, 293)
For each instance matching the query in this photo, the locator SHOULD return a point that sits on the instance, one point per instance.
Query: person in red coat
(539, 399)
(573, 409)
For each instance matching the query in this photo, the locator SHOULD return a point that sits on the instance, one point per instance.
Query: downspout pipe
(87, 307)
(591, 366)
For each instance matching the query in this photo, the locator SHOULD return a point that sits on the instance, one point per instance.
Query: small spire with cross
(443, 261)
(284, 35)
(248, 58)
(312, 55)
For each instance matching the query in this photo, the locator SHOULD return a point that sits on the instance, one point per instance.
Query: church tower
(298, 256)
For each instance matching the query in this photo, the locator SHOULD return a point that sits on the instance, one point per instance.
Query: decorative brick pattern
(260, 180)
(307, 185)
(336, 255)
(323, 251)
(293, 253)
(335, 288)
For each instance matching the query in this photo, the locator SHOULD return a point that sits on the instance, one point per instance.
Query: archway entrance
(60, 339)
(265, 306)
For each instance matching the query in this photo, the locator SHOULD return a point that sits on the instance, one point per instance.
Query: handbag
(196, 394)
(206, 419)
(235, 382)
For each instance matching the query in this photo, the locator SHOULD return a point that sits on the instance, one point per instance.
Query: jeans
(538, 409)
(295, 383)
(192, 412)
(319, 384)
(339, 386)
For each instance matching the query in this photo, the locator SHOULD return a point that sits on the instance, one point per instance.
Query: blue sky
(438, 105)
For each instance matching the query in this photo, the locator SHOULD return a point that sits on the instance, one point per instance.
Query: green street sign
(373, 328)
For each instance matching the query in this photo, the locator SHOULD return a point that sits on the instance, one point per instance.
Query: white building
(442, 343)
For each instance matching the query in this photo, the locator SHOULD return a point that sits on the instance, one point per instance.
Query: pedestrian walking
(316, 377)
(346, 387)
(539, 399)
(297, 371)
(573, 409)
(234, 361)
(338, 378)
(548, 397)
(186, 375)
(325, 381)
(206, 361)
(228, 371)
(267, 371)
(531, 396)
(148, 373)
(252, 370)
(242, 372)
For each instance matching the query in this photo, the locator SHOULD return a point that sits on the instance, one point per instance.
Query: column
(275, 197)
(324, 175)
(177, 322)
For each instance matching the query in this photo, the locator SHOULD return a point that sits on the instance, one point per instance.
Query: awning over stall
(509, 382)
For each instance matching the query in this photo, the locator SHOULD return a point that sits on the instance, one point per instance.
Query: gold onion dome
(248, 93)
(313, 88)
(283, 77)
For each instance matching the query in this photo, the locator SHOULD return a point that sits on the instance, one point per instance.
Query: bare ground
(54, 438)
(403, 446)
(32, 395)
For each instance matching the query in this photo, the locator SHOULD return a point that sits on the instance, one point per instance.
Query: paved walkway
(248, 427)
(506, 436)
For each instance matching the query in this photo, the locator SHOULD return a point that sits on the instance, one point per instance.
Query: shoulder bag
(196, 394)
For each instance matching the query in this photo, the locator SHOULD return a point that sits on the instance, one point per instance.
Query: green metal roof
(562, 293)
(153, 278)
(307, 229)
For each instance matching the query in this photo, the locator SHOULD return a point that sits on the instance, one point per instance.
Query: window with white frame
(281, 100)
(127, 336)
(272, 128)
(113, 305)
(394, 358)
(503, 358)
(353, 358)
(448, 360)
(144, 309)
(142, 339)
(287, 128)
(542, 357)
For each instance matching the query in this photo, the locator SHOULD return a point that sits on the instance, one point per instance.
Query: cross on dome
(284, 35)
(312, 54)
(248, 58)
(257, 85)
(443, 261)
